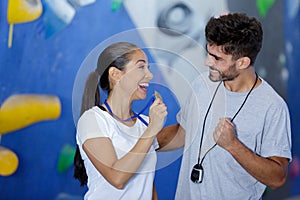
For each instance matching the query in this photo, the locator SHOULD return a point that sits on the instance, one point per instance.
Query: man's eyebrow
(213, 55)
(216, 57)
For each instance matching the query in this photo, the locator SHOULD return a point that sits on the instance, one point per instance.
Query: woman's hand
(157, 115)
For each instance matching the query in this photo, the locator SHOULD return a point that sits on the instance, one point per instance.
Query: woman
(116, 145)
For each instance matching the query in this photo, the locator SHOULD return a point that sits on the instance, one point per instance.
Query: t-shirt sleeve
(189, 109)
(181, 116)
(92, 125)
(277, 132)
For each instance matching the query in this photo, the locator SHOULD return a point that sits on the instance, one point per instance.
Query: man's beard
(230, 75)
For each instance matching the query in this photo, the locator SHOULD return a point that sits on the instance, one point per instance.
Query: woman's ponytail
(91, 94)
(90, 98)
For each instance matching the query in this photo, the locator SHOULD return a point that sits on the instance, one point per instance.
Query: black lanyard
(197, 172)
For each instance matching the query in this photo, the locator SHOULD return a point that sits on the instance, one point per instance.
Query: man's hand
(225, 134)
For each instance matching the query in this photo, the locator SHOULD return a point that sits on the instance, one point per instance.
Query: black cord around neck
(204, 121)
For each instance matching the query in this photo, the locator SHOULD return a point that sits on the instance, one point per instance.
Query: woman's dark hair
(79, 169)
(240, 35)
(116, 55)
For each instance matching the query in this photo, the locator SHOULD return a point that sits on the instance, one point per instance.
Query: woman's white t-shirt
(98, 123)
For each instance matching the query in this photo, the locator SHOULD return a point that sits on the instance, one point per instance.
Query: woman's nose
(149, 75)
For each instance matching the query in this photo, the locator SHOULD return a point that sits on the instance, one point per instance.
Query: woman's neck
(120, 106)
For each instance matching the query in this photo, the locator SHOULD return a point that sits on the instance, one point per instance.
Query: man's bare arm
(171, 137)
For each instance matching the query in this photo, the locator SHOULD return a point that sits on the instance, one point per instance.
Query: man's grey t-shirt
(263, 125)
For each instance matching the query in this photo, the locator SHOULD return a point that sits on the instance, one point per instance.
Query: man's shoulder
(269, 92)
(268, 97)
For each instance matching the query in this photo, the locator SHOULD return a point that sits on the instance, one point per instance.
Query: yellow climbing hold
(21, 11)
(19, 111)
(8, 162)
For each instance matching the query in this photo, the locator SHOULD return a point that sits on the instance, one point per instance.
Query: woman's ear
(114, 73)
(243, 62)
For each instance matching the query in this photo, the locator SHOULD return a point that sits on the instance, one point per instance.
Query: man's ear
(243, 62)
(114, 73)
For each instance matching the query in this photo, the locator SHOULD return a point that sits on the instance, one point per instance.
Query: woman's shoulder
(94, 123)
(94, 113)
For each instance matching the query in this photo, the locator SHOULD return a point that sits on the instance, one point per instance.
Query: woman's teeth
(144, 85)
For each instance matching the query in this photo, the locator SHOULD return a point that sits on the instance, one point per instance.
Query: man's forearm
(171, 137)
(269, 171)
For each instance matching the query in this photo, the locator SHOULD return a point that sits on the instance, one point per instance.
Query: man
(235, 149)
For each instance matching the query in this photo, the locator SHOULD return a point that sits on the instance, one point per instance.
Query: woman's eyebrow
(140, 61)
